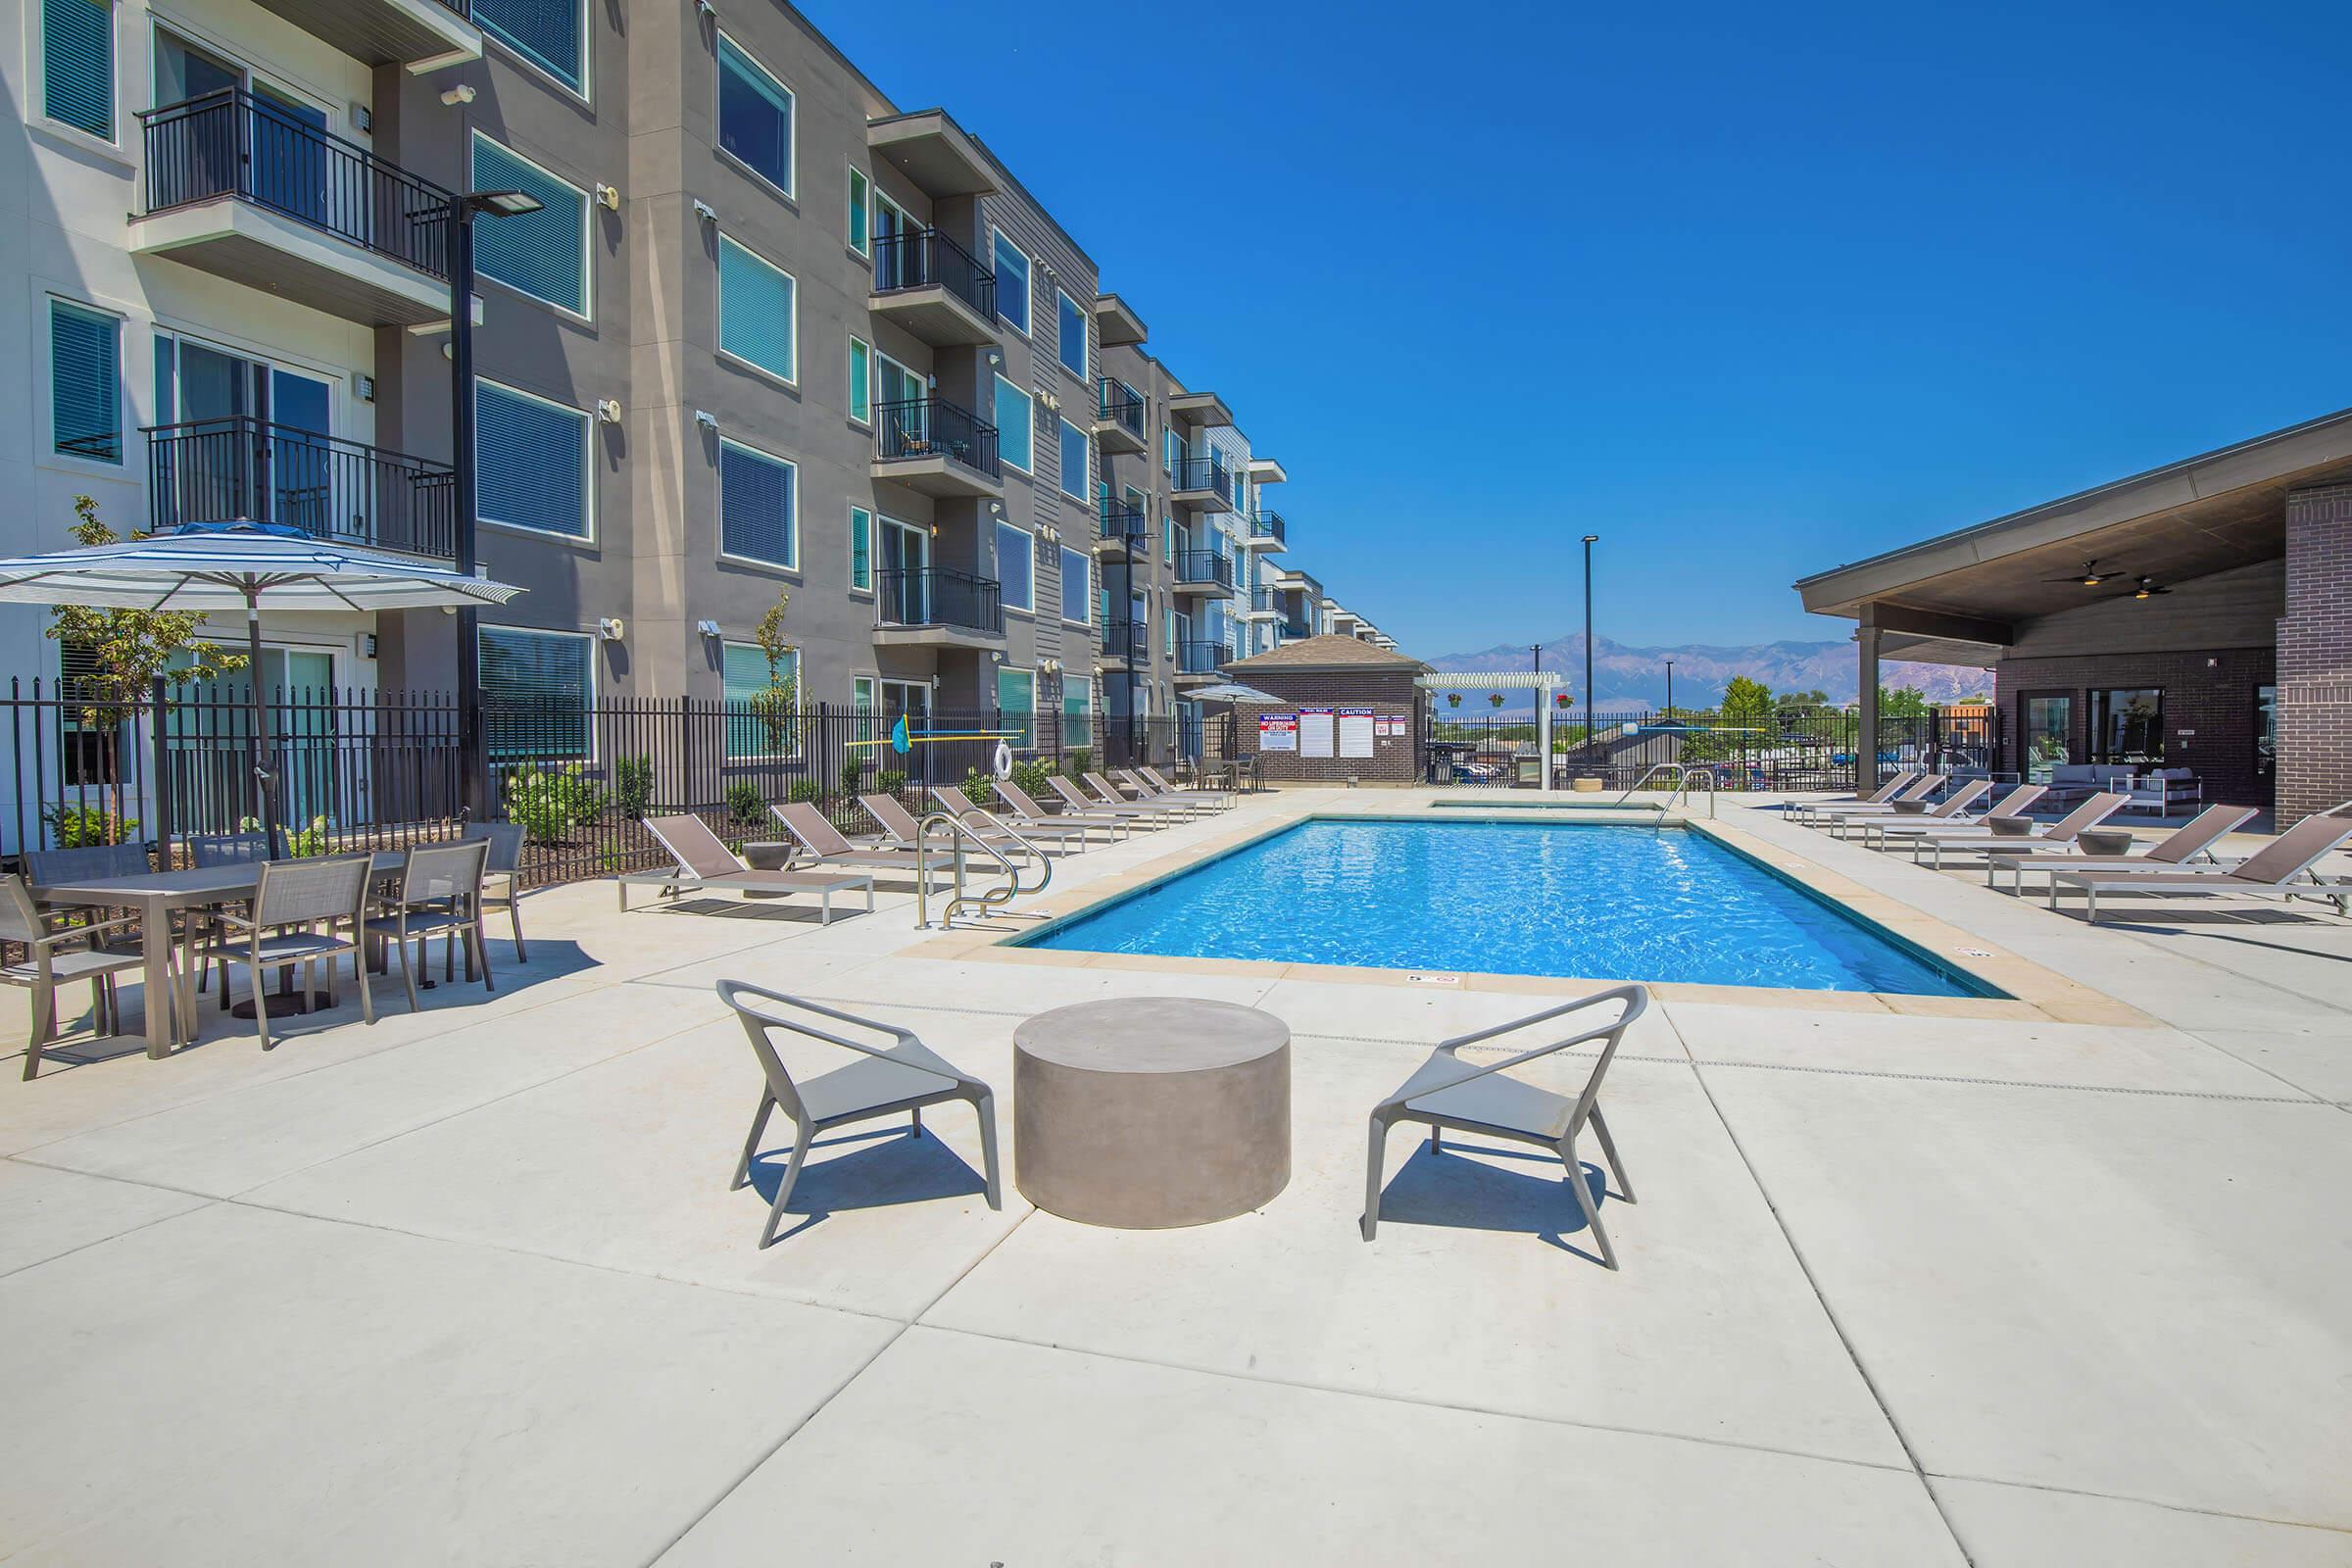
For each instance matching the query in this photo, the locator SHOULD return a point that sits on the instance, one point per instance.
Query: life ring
(1004, 760)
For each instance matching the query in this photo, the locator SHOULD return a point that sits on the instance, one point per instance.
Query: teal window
(860, 214)
(1076, 585)
(552, 34)
(758, 723)
(1077, 715)
(1012, 285)
(1077, 460)
(537, 687)
(755, 115)
(755, 506)
(531, 464)
(861, 380)
(542, 254)
(756, 310)
(1070, 327)
(1016, 704)
(1016, 566)
(1015, 417)
(77, 65)
(861, 548)
(86, 382)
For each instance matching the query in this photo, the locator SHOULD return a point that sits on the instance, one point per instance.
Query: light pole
(1670, 688)
(1591, 540)
(463, 211)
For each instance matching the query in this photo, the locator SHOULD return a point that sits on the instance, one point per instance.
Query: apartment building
(764, 336)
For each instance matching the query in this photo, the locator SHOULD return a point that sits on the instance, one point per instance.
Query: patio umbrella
(1231, 692)
(232, 566)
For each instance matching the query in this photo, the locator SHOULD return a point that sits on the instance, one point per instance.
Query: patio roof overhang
(1960, 598)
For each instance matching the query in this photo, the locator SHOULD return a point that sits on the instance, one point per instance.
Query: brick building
(1350, 677)
(2196, 615)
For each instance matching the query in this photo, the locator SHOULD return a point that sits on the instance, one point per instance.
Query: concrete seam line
(2012, 1083)
(2145, 1502)
(128, 1230)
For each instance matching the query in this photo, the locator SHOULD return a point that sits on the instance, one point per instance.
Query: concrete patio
(468, 1286)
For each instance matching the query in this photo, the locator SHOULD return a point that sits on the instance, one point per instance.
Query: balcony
(1263, 605)
(1122, 529)
(928, 607)
(243, 469)
(930, 149)
(1117, 325)
(1290, 631)
(1204, 484)
(421, 34)
(1203, 571)
(932, 446)
(1199, 410)
(1125, 642)
(238, 187)
(1118, 417)
(934, 288)
(1200, 661)
(1266, 531)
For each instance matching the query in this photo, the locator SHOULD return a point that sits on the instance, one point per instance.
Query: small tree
(1494, 699)
(1453, 699)
(776, 705)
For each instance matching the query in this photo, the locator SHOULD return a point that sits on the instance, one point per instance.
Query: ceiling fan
(2148, 589)
(2090, 575)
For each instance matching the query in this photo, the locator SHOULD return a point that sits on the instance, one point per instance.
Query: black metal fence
(216, 470)
(933, 596)
(934, 427)
(1792, 749)
(926, 258)
(1195, 474)
(1120, 404)
(382, 769)
(1194, 567)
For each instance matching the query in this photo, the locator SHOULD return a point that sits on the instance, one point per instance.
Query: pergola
(1543, 682)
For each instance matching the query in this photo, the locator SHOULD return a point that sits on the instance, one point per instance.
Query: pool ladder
(1682, 773)
(960, 836)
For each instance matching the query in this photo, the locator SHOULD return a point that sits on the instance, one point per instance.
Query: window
(77, 65)
(1012, 285)
(1016, 704)
(531, 461)
(2126, 726)
(85, 383)
(861, 548)
(1014, 436)
(537, 688)
(755, 309)
(861, 380)
(1077, 460)
(552, 34)
(1016, 566)
(860, 238)
(1077, 595)
(763, 703)
(1077, 713)
(755, 115)
(755, 506)
(1071, 327)
(1171, 452)
(542, 254)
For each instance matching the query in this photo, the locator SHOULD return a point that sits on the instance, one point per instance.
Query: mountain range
(1628, 679)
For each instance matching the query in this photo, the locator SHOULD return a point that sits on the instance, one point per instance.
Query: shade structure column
(1866, 726)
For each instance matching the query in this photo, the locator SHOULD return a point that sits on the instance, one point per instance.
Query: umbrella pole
(264, 782)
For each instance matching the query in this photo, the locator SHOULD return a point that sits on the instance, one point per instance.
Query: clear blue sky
(1746, 291)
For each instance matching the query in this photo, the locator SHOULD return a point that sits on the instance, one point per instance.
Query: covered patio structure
(2188, 616)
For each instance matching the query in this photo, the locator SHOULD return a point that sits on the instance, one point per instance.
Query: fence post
(686, 780)
(163, 777)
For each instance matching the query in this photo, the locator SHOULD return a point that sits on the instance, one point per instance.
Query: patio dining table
(155, 896)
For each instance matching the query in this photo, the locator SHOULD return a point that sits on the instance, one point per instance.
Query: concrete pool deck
(468, 1286)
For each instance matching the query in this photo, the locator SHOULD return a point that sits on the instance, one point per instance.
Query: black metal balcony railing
(243, 469)
(931, 596)
(1201, 658)
(1290, 630)
(1263, 600)
(1267, 525)
(933, 427)
(1127, 640)
(1120, 404)
(926, 258)
(1204, 565)
(1203, 474)
(1124, 524)
(230, 143)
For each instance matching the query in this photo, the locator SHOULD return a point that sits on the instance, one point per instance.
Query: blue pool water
(1595, 901)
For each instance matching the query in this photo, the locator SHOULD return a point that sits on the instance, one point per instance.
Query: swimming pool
(1595, 901)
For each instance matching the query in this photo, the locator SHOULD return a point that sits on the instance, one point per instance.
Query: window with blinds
(1016, 566)
(755, 726)
(86, 382)
(1077, 460)
(542, 254)
(861, 548)
(1070, 342)
(861, 380)
(860, 216)
(537, 690)
(755, 115)
(531, 461)
(756, 510)
(1012, 283)
(77, 65)
(1077, 594)
(1015, 415)
(552, 34)
(756, 311)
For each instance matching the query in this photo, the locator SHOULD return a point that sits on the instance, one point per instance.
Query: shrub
(83, 826)
(304, 841)
(1081, 759)
(978, 788)
(747, 803)
(633, 785)
(1030, 777)
(552, 802)
(806, 790)
(852, 775)
(890, 781)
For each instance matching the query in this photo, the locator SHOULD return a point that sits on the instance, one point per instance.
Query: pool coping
(2034, 994)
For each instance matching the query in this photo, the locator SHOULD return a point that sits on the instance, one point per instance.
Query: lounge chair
(904, 1076)
(1947, 812)
(901, 829)
(1803, 811)
(1034, 821)
(1082, 807)
(2173, 851)
(1918, 788)
(1108, 794)
(2268, 873)
(828, 846)
(2038, 841)
(2076, 781)
(706, 864)
(1447, 1092)
(1915, 830)
(995, 830)
(1159, 782)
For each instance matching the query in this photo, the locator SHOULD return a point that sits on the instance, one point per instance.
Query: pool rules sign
(1278, 732)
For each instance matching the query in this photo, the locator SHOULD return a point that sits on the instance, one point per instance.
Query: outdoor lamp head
(504, 203)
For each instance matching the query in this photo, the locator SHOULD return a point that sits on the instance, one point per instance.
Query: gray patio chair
(86, 863)
(1070, 826)
(59, 955)
(1447, 1092)
(305, 912)
(904, 1076)
(827, 845)
(440, 895)
(224, 849)
(1113, 800)
(502, 873)
(2271, 873)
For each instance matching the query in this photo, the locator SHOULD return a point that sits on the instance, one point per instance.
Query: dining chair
(55, 957)
(440, 895)
(505, 869)
(304, 912)
(208, 850)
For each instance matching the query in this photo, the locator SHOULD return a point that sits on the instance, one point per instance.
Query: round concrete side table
(1152, 1113)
